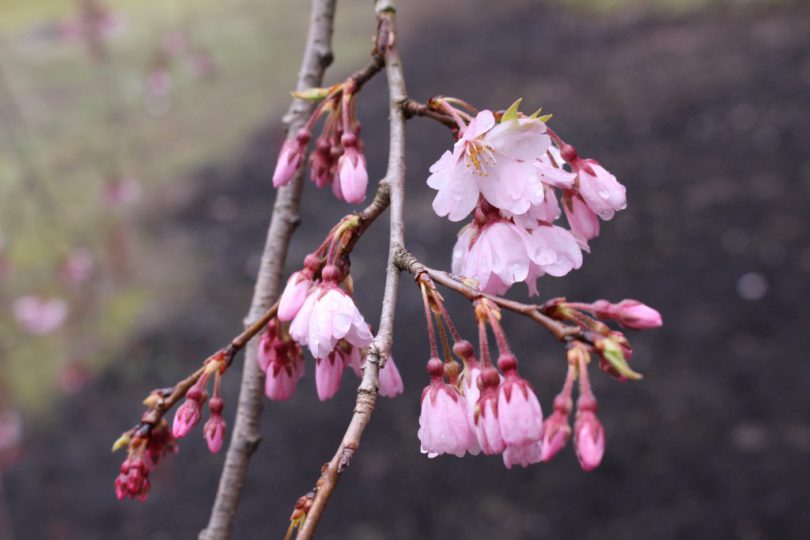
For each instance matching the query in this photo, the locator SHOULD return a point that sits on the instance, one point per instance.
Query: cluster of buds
(338, 158)
(504, 169)
(147, 448)
(480, 406)
(189, 413)
(316, 311)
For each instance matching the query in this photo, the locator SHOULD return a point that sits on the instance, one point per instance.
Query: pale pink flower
(289, 159)
(582, 220)
(328, 372)
(352, 175)
(589, 439)
(294, 295)
(443, 424)
(159, 83)
(519, 414)
(214, 428)
(556, 432)
(551, 171)
(40, 316)
(390, 380)
(544, 213)
(122, 192)
(523, 455)
(283, 365)
(327, 316)
(493, 160)
(78, 266)
(553, 250)
(494, 255)
(600, 190)
(630, 314)
(188, 414)
(485, 425)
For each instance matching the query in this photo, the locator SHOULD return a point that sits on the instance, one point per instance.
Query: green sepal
(311, 94)
(536, 113)
(121, 442)
(614, 355)
(512, 112)
(545, 118)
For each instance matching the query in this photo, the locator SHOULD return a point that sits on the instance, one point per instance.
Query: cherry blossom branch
(380, 348)
(246, 435)
(542, 314)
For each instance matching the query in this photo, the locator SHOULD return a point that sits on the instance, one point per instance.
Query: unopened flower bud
(589, 435)
(629, 313)
(289, 159)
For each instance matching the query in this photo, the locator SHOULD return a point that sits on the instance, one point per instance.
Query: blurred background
(137, 143)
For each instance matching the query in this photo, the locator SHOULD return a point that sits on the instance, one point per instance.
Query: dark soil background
(706, 119)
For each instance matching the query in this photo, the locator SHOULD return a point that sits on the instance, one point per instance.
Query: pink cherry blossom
(327, 316)
(589, 439)
(486, 427)
(519, 414)
(630, 314)
(289, 159)
(328, 373)
(493, 160)
(294, 295)
(582, 220)
(78, 266)
(523, 454)
(443, 424)
(390, 380)
(494, 255)
(600, 190)
(40, 316)
(553, 250)
(123, 192)
(283, 365)
(352, 175)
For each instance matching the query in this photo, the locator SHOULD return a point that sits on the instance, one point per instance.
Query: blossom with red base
(443, 424)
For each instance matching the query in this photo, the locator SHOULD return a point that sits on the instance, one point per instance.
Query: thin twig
(246, 435)
(381, 347)
(540, 314)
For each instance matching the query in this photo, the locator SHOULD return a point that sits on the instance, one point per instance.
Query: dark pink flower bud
(589, 435)
(556, 432)
(289, 159)
(188, 414)
(321, 163)
(629, 313)
(214, 429)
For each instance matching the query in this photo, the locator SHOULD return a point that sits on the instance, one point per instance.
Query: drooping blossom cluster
(188, 414)
(507, 171)
(338, 159)
(321, 315)
(480, 406)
